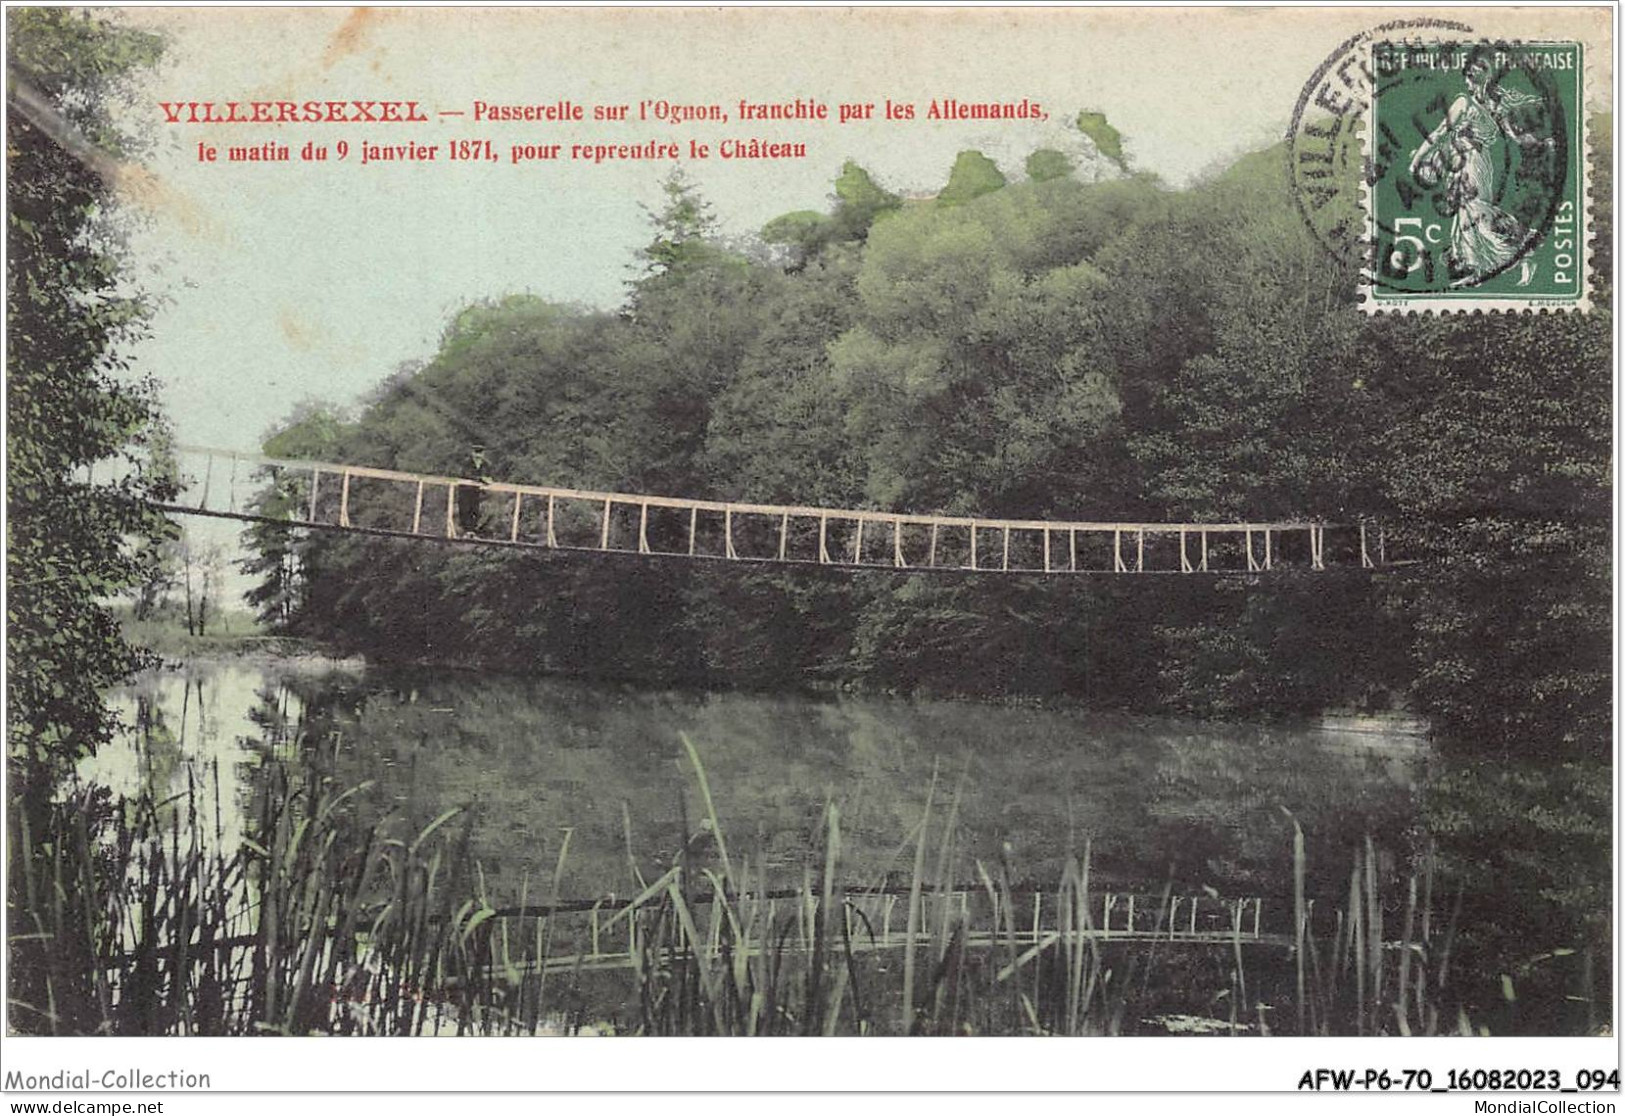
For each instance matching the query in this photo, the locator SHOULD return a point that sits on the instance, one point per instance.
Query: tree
(161, 560)
(201, 570)
(690, 326)
(72, 412)
(974, 174)
(158, 556)
(805, 231)
(972, 368)
(683, 225)
(276, 553)
(71, 403)
(1047, 163)
(1107, 140)
(859, 202)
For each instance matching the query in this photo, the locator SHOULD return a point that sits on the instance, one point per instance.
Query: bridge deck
(392, 503)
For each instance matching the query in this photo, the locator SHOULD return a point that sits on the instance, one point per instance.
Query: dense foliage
(70, 403)
(1052, 347)
(73, 537)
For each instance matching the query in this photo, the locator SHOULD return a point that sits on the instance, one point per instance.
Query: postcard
(1091, 526)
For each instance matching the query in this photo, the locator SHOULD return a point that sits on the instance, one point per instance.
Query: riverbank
(238, 637)
(231, 637)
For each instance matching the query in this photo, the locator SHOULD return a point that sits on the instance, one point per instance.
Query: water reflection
(1198, 804)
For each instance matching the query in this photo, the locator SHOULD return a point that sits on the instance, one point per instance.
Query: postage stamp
(1476, 185)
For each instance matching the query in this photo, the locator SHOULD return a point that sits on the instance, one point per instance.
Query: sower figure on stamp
(1483, 237)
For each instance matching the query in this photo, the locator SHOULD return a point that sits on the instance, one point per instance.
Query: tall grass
(132, 918)
(137, 923)
(1358, 981)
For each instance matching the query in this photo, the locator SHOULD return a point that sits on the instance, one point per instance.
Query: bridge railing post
(208, 472)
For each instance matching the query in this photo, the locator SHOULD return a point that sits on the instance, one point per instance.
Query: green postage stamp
(1476, 188)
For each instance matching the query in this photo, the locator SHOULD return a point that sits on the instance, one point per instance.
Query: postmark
(1475, 192)
(1326, 156)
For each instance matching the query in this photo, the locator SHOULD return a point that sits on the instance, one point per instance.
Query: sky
(281, 282)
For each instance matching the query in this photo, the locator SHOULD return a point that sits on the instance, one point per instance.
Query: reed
(132, 917)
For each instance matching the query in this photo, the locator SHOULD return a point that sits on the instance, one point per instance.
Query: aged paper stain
(351, 36)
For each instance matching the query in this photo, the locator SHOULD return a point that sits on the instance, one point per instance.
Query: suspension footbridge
(361, 499)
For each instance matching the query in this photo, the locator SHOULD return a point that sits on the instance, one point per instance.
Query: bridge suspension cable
(347, 497)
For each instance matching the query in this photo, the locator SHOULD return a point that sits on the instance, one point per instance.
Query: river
(1197, 806)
